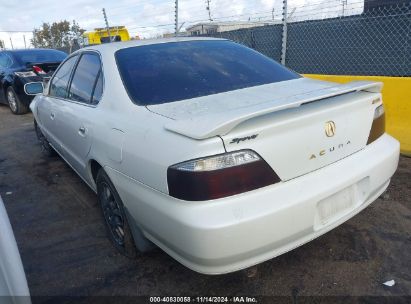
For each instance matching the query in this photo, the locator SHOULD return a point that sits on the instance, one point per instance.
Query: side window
(84, 79)
(59, 83)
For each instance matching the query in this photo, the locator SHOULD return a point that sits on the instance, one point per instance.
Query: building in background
(210, 28)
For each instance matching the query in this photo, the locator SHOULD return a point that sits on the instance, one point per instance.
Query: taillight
(219, 176)
(25, 74)
(38, 69)
(378, 124)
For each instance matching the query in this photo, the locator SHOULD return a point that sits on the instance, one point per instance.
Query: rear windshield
(167, 72)
(39, 56)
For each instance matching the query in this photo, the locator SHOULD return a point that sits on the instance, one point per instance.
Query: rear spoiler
(31, 64)
(222, 123)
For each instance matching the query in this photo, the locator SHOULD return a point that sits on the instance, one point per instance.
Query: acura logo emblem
(330, 128)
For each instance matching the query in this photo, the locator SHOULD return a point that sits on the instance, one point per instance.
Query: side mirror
(33, 88)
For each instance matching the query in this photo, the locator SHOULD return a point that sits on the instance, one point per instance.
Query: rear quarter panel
(133, 141)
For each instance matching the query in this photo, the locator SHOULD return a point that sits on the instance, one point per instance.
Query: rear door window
(59, 83)
(85, 79)
(98, 89)
(5, 61)
(2, 61)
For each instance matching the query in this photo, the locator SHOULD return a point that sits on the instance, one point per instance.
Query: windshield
(39, 56)
(167, 72)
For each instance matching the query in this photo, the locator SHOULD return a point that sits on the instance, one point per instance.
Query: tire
(15, 105)
(114, 215)
(46, 149)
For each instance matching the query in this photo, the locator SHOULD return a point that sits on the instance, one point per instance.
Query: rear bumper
(233, 233)
(19, 89)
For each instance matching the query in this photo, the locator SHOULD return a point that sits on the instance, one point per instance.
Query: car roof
(115, 46)
(33, 50)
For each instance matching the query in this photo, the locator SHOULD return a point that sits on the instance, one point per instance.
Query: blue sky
(150, 18)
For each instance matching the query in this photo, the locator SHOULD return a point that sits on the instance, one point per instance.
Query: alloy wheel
(112, 214)
(11, 98)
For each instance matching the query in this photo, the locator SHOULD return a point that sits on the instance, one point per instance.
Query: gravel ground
(61, 237)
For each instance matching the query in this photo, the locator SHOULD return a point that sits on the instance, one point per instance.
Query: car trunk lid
(47, 67)
(297, 126)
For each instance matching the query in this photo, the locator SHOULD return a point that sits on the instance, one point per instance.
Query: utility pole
(24, 38)
(107, 26)
(272, 13)
(176, 19)
(209, 10)
(344, 4)
(34, 39)
(284, 42)
(52, 39)
(11, 42)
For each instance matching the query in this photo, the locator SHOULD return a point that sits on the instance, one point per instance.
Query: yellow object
(397, 103)
(100, 35)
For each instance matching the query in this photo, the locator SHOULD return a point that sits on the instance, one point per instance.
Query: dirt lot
(60, 234)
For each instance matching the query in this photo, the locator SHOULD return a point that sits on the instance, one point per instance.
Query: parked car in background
(18, 67)
(13, 283)
(214, 152)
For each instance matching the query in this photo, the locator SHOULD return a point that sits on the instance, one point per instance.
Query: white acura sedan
(213, 152)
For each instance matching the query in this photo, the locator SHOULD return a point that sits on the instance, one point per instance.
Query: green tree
(56, 35)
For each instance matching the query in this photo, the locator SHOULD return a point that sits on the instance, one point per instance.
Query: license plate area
(336, 206)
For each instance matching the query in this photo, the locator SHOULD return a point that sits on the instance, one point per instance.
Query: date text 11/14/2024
(203, 299)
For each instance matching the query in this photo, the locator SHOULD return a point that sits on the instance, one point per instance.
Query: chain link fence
(375, 42)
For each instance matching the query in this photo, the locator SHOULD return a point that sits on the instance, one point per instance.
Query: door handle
(82, 131)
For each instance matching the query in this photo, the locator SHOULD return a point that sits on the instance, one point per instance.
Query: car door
(2, 71)
(76, 113)
(47, 106)
(5, 63)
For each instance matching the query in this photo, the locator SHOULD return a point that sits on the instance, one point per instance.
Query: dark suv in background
(18, 67)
